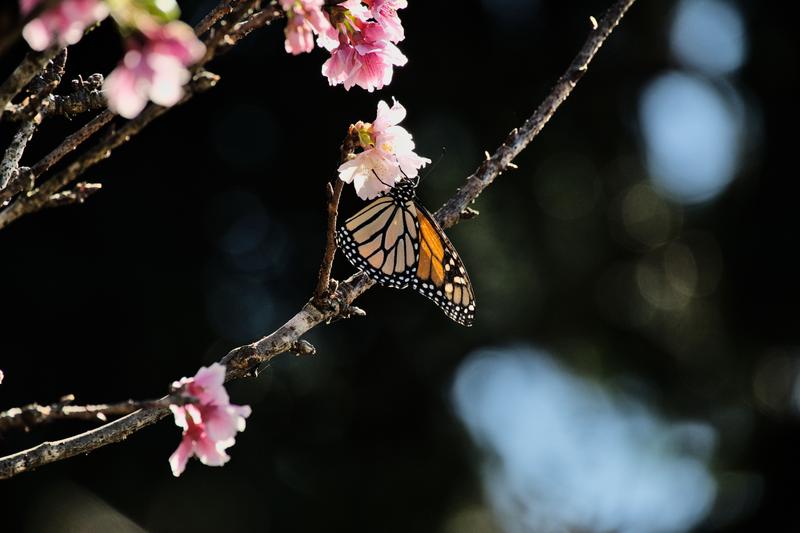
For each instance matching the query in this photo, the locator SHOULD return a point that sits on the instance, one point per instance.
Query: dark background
(210, 226)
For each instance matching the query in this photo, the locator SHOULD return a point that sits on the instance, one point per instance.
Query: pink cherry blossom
(369, 65)
(385, 14)
(153, 68)
(209, 425)
(306, 19)
(388, 154)
(63, 24)
(366, 54)
(1, 376)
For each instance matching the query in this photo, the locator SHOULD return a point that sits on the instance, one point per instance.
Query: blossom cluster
(387, 153)
(360, 35)
(209, 421)
(63, 24)
(154, 68)
(158, 52)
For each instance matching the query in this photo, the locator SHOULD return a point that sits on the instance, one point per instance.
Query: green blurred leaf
(163, 10)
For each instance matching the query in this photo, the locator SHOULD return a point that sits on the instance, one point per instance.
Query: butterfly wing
(440, 274)
(382, 240)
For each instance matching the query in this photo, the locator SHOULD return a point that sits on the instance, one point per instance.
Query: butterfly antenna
(379, 178)
(436, 163)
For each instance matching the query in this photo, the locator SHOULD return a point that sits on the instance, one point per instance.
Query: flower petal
(179, 458)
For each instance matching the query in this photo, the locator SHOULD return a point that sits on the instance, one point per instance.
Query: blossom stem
(323, 290)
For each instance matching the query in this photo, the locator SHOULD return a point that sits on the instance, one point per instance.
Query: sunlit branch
(32, 65)
(334, 192)
(27, 416)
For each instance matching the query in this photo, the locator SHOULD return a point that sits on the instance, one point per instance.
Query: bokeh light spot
(646, 217)
(709, 35)
(567, 455)
(691, 133)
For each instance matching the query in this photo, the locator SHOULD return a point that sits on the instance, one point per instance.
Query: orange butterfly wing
(441, 275)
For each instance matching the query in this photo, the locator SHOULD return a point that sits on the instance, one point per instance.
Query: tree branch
(519, 138)
(222, 10)
(40, 197)
(257, 20)
(334, 193)
(242, 361)
(33, 64)
(34, 414)
(9, 166)
(202, 80)
(218, 37)
(86, 96)
(47, 82)
(77, 195)
(71, 143)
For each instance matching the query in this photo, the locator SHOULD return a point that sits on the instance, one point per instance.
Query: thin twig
(72, 142)
(34, 414)
(30, 113)
(9, 166)
(86, 96)
(222, 10)
(218, 37)
(48, 452)
(334, 194)
(20, 181)
(257, 20)
(37, 199)
(41, 86)
(40, 197)
(77, 195)
(33, 64)
(27, 176)
(519, 138)
(242, 361)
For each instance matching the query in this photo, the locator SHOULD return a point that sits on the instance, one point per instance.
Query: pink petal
(179, 458)
(65, 23)
(176, 39)
(212, 453)
(211, 380)
(392, 158)
(26, 6)
(179, 412)
(359, 171)
(387, 117)
(168, 79)
(125, 91)
(37, 35)
(220, 423)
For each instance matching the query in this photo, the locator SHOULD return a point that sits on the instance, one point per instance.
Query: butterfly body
(397, 242)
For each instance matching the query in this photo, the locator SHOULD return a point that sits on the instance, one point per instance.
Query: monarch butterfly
(396, 241)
